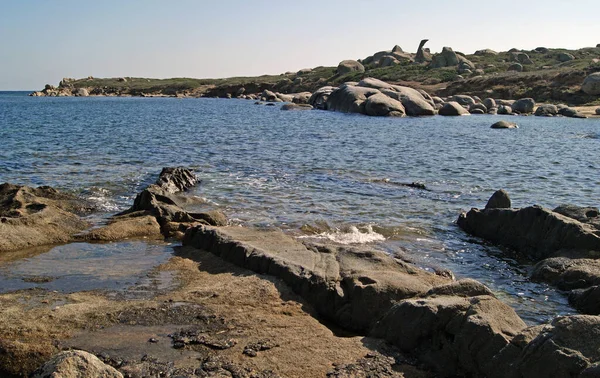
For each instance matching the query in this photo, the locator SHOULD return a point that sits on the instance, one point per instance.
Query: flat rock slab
(352, 287)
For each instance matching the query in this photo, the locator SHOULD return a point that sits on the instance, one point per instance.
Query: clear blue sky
(43, 41)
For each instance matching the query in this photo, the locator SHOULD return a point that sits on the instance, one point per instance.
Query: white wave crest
(350, 235)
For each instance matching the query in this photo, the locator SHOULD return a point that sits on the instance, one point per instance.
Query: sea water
(317, 174)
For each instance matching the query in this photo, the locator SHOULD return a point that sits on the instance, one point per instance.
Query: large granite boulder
(447, 58)
(382, 105)
(570, 112)
(349, 66)
(517, 67)
(524, 105)
(546, 110)
(591, 84)
(350, 99)
(521, 57)
(486, 52)
(319, 98)
(38, 216)
(565, 57)
(568, 273)
(76, 364)
(415, 102)
(464, 100)
(499, 200)
(489, 103)
(302, 98)
(452, 108)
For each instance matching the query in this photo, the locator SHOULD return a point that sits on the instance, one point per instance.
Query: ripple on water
(265, 167)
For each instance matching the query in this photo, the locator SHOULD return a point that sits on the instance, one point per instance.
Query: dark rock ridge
(565, 243)
(161, 202)
(456, 328)
(38, 216)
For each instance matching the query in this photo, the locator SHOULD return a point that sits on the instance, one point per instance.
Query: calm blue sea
(314, 172)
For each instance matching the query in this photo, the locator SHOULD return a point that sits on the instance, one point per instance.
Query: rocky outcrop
(38, 216)
(422, 55)
(178, 179)
(485, 52)
(532, 231)
(455, 335)
(567, 347)
(76, 364)
(349, 66)
(389, 100)
(565, 241)
(452, 108)
(158, 210)
(591, 84)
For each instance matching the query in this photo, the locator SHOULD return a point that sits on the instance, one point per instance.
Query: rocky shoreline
(249, 302)
(543, 82)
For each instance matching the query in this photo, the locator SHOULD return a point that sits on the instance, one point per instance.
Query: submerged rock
(504, 124)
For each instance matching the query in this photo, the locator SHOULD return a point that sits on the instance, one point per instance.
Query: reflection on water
(82, 266)
(303, 170)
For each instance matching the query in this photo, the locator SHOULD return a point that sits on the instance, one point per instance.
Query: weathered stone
(351, 286)
(416, 103)
(571, 113)
(478, 108)
(302, 98)
(453, 335)
(518, 67)
(349, 99)
(586, 301)
(568, 273)
(452, 108)
(296, 107)
(564, 348)
(176, 179)
(504, 109)
(489, 103)
(546, 110)
(499, 200)
(532, 231)
(524, 105)
(565, 57)
(382, 105)
(521, 57)
(447, 58)
(485, 52)
(422, 55)
(504, 124)
(348, 66)
(464, 99)
(591, 84)
(38, 216)
(319, 98)
(76, 364)
(82, 92)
